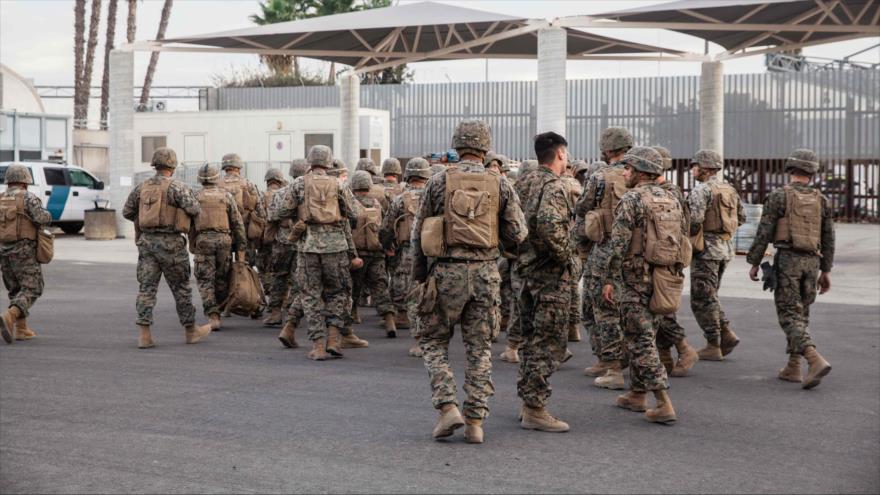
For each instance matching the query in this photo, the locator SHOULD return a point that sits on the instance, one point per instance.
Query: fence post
(850, 191)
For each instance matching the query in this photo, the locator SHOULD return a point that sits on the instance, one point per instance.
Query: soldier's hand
(608, 293)
(357, 263)
(753, 273)
(824, 282)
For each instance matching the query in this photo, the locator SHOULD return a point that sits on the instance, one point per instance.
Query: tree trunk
(108, 46)
(85, 87)
(79, 11)
(332, 79)
(154, 58)
(132, 21)
(296, 66)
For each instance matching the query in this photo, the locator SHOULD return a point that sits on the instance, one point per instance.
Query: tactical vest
(721, 216)
(268, 197)
(377, 192)
(472, 203)
(660, 242)
(802, 223)
(238, 187)
(320, 200)
(15, 225)
(403, 224)
(366, 232)
(214, 216)
(154, 212)
(615, 188)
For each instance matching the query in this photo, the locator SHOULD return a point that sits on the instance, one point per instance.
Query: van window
(3, 173)
(80, 178)
(54, 176)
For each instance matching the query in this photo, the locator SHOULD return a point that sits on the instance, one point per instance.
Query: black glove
(768, 275)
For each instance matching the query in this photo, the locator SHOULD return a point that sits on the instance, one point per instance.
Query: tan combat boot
(23, 331)
(712, 351)
(687, 357)
(729, 340)
(401, 320)
(7, 323)
(415, 350)
(473, 430)
(390, 326)
(352, 341)
(792, 370)
(634, 401)
(214, 321)
(612, 379)
(287, 335)
(818, 367)
(510, 354)
(574, 333)
(539, 419)
(450, 420)
(666, 359)
(145, 338)
(195, 333)
(273, 318)
(663, 413)
(317, 353)
(355, 317)
(333, 342)
(597, 369)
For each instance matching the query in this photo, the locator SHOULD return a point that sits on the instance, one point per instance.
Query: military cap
(472, 134)
(17, 173)
(209, 173)
(231, 160)
(437, 168)
(275, 174)
(802, 159)
(417, 167)
(615, 138)
(298, 167)
(320, 156)
(391, 166)
(361, 181)
(666, 155)
(707, 159)
(164, 157)
(644, 159)
(367, 165)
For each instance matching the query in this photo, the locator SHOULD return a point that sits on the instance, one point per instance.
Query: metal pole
(552, 54)
(349, 102)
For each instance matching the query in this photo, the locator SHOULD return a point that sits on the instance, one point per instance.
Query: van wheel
(71, 228)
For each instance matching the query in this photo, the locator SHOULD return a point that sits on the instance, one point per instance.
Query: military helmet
(275, 174)
(231, 160)
(502, 160)
(338, 164)
(527, 166)
(417, 167)
(361, 181)
(802, 159)
(666, 155)
(472, 134)
(209, 173)
(707, 159)
(615, 138)
(164, 157)
(298, 167)
(320, 156)
(595, 166)
(644, 159)
(437, 168)
(391, 166)
(18, 173)
(367, 165)
(579, 167)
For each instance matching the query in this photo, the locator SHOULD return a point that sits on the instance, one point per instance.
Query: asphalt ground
(83, 410)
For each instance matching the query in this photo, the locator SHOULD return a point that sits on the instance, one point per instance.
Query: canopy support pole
(712, 107)
(552, 54)
(121, 127)
(349, 102)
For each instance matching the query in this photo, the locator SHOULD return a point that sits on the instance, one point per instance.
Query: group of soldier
(534, 251)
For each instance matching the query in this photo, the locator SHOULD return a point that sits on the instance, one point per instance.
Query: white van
(67, 191)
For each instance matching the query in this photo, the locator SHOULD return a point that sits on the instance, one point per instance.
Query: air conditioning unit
(160, 105)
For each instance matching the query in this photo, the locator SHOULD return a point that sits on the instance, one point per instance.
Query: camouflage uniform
(232, 160)
(283, 264)
(277, 261)
(669, 331)
(574, 191)
(372, 276)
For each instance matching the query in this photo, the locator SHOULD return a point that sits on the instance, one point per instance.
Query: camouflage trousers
(163, 254)
(505, 267)
(294, 308)
(373, 277)
(797, 275)
(669, 331)
(280, 267)
(608, 332)
(22, 275)
(544, 304)
(213, 260)
(264, 267)
(646, 371)
(705, 282)
(402, 285)
(587, 317)
(574, 305)
(467, 293)
(514, 331)
(326, 291)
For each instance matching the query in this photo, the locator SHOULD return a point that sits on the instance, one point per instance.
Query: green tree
(274, 11)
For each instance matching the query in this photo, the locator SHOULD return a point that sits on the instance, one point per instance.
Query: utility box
(100, 224)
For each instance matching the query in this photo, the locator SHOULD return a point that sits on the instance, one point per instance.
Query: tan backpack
(214, 215)
(802, 223)
(320, 200)
(154, 210)
(366, 233)
(721, 217)
(245, 292)
(598, 222)
(660, 242)
(403, 224)
(471, 213)
(15, 225)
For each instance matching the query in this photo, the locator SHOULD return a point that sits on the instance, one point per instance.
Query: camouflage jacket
(629, 217)
(179, 196)
(676, 191)
(318, 238)
(236, 225)
(774, 209)
(368, 202)
(254, 192)
(511, 223)
(700, 200)
(388, 232)
(33, 209)
(599, 253)
(548, 247)
(282, 236)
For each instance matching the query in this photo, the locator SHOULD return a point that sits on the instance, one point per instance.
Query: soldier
(574, 190)
(21, 216)
(437, 168)
(284, 256)
(804, 256)
(275, 278)
(162, 209)
(580, 171)
(594, 215)
(669, 332)
(500, 164)
(377, 191)
(636, 258)
(464, 279)
(326, 251)
(219, 231)
(247, 197)
(716, 213)
(391, 174)
(395, 236)
(545, 266)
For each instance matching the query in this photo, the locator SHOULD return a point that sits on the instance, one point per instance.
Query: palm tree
(83, 76)
(154, 57)
(108, 46)
(79, 23)
(274, 11)
(132, 21)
